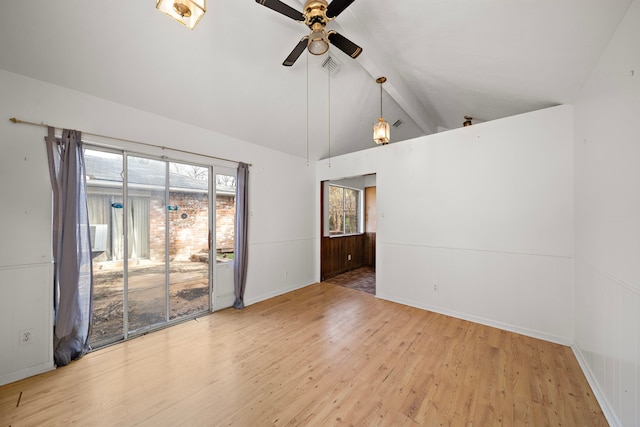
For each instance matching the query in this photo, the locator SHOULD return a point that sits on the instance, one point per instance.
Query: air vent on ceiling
(397, 123)
(332, 64)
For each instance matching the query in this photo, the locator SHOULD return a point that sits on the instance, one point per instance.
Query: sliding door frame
(212, 169)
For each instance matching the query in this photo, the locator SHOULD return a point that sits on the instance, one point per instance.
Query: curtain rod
(42, 124)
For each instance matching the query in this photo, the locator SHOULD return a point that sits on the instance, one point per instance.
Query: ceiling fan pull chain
(307, 108)
(329, 104)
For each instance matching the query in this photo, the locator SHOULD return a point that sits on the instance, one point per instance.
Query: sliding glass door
(146, 231)
(150, 222)
(189, 239)
(106, 218)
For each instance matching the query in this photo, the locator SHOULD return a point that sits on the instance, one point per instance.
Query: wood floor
(321, 356)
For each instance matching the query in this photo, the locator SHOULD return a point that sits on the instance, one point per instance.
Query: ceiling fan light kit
(187, 12)
(381, 130)
(318, 41)
(317, 14)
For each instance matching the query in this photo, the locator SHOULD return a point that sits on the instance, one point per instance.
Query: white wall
(607, 208)
(478, 222)
(353, 182)
(25, 321)
(25, 252)
(282, 234)
(370, 181)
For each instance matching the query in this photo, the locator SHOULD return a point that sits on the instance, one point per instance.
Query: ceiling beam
(398, 90)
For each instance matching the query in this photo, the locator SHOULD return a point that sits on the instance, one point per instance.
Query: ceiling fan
(316, 15)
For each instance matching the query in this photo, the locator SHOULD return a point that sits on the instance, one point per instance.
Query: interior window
(344, 210)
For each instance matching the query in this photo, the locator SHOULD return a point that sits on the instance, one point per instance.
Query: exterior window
(344, 210)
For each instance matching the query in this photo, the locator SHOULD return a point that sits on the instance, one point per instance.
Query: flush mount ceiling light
(381, 130)
(187, 12)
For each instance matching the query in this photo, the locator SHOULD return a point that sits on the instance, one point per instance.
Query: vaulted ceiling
(444, 59)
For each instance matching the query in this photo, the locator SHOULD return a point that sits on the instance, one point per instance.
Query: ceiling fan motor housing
(315, 12)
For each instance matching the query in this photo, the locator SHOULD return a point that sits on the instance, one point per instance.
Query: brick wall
(188, 226)
(156, 226)
(225, 214)
(189, 235)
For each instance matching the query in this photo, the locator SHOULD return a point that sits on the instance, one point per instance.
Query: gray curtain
(240, 256)
(73, 278)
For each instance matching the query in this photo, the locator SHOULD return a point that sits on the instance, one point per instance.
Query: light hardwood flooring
(323, 355)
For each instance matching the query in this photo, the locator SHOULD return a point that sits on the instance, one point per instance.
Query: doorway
(348, 233)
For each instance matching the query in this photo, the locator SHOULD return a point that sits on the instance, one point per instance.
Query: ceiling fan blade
(337, 7)
(344, 44)
(282, 8)
(296, 52)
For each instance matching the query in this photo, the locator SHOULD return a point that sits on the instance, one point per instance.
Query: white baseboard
(608, 411)
(476, 319)
(279, 292)
(25, 373)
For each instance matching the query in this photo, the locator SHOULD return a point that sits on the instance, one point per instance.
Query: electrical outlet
(25, 337)
(286, 273)
(435, 287)
(349, 257)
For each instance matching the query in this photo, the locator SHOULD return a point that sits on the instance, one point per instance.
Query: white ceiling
(444, 59)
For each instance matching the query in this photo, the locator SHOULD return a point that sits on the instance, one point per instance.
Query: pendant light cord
(381, 100)
(329, 108)
(307, 107)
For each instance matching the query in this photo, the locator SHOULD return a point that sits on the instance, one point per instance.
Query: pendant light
(381, 130)
(187, 12)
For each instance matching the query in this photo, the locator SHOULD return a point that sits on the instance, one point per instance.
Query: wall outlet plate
(25, 337)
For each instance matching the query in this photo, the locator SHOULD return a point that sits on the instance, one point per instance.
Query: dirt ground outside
(188, 294)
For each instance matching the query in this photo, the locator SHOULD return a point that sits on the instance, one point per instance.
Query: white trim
(481, 320)
(279, 292)
(272, 242)
(26, 373)
(610, 276)
(607, 409)
(494, 251)
(30, 265)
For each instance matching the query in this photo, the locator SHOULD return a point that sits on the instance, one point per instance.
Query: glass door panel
(225, 217)
(104, 199)
(189, 240)
(146, 212)
(225, 209)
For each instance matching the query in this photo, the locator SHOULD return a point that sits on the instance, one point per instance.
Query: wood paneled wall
(336, 251)
(370, 249)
